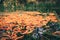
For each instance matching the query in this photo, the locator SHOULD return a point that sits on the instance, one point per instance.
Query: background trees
(30, 5)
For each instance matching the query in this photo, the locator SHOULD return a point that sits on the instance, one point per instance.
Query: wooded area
(30, 5)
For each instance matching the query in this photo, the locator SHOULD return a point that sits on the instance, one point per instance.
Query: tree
(1, 5)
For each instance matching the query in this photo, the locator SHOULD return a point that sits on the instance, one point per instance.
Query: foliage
(12, 5)
(46, 32)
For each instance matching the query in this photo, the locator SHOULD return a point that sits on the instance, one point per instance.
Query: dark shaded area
(1, 1)
(51, 37)
(19, 34)
(58, 7)
(22, 1)
(1, 5)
